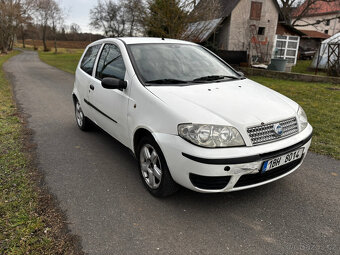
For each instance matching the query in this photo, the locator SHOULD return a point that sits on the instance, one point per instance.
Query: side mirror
(113, 83)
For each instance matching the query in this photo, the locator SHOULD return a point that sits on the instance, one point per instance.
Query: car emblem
(278, 129)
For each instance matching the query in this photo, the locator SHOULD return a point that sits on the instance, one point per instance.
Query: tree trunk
(132, 26)
(44, 37)
(23, 36)
(11, 43)
(55, 44)
(34, 47)
(3, 46)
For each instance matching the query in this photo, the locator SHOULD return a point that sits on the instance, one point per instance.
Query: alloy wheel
(79, 115)
(150, 166)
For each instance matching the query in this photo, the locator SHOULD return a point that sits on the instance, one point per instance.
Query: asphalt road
(97, 183)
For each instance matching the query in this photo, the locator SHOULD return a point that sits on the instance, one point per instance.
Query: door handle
(91, 87)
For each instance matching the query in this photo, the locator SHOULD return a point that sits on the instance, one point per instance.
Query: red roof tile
(318, 8)
(314, 34)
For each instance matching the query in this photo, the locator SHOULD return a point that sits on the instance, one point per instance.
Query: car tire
(82, 121)
(154, 170)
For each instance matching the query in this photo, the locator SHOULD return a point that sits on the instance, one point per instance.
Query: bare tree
(47, 13)
(107, 15)
(75, 28)
(166, 18)
(117, 18)
(26, 18)
(10, 19)
(135, 11)
(57, 20)
(14, 15)
(292, 16)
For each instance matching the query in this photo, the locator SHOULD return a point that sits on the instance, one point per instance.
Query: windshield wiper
(215, 78)
(166, 81)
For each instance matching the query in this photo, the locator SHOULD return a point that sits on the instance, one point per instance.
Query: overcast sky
(77, 11)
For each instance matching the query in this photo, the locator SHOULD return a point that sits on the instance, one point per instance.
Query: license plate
(282, 160)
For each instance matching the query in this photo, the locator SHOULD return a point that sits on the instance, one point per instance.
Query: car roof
(138, 40)
(143, 40)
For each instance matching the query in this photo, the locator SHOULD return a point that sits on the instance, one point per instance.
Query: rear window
(89, 58)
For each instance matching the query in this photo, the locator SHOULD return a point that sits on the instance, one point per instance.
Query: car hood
(239, 103)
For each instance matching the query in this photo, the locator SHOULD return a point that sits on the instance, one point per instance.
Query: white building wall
(333, 27)
(241, 36)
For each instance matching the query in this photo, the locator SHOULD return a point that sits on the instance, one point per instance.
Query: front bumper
(228, 169)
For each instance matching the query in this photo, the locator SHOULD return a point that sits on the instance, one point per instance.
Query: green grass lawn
(66, 59)
(28, 225)
(321, 103)
(303, 67)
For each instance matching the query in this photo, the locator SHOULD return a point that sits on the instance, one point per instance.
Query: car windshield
(178, 64)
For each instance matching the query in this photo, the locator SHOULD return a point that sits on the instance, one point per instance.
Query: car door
(84, 76)
(110, 105)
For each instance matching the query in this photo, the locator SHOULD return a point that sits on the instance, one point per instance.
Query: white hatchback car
(188, 117)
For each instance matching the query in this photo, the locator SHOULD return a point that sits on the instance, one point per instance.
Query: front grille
(209, 182)
(265, 133)
(250, 179)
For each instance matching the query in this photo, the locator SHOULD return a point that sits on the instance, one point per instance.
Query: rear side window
(89, 58)
(110, 63)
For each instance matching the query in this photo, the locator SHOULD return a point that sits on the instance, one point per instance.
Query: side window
(89, 58)
(110, 63)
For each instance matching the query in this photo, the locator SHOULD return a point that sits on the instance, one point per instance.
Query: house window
(286, 47)
(261, 30)
(327, 22)
(255, 10)
(326, 31)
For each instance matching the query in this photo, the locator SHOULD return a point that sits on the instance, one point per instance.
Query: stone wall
(290, 76)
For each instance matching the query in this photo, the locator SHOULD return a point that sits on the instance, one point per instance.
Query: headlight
(210, 136)
(303, 122)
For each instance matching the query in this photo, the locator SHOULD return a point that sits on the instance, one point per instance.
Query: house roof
(211, 14)
(314, 34)
(286, 29)
(225, 7)
(317, 9)
(200, 31)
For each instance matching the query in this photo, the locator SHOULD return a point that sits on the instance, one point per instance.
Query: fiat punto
(188, 117)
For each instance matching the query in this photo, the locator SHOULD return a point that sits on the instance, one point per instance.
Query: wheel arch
(138, 135)
(74, 98)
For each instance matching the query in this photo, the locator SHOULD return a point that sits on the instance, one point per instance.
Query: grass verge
(66, 59)
(321, 103)
(30, 221)
(303, 67)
